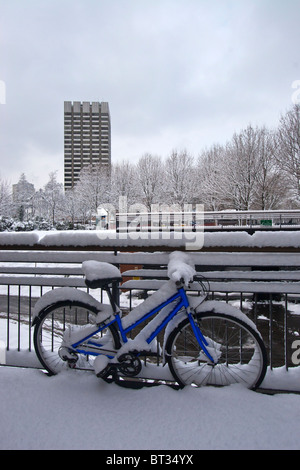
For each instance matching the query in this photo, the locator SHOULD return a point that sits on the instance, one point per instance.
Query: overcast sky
(176, 73)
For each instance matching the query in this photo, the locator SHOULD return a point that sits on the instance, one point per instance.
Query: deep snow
(79, 411)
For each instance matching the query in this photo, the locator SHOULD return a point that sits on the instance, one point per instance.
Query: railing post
(270, 331)
(286, 332)
(115, 291)
(8, 315)
(194, 222)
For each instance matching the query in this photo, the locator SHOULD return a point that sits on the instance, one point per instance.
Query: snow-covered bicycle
(205, 342)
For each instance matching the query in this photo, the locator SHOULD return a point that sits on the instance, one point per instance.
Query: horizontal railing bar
(80, 256)
(32, 256)
(226, 275)
(226, 286)
(64, 271)
(251, 287)
(241, 259)
(42, 281)
(219, 214)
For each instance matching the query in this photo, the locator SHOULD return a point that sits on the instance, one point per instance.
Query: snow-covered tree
(288, 150)
(92, 189)
(53, 197)
(23, 192)
(5, 198)
(71, 206)
(211, 179)
(242, 167)
(180, 181)
(124, 182)
(150, 179)
(243, 174)
(270, 188)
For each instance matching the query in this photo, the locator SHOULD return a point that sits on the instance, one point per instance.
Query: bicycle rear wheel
(49, 333)
(237, 348)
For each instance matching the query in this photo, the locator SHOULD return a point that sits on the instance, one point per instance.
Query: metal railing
(212, 220)
(266, 287)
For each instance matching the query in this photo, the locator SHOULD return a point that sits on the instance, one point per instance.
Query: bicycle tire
(50, 326)
(241, 353)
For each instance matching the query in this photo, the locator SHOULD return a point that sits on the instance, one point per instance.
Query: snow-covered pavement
(79, 411)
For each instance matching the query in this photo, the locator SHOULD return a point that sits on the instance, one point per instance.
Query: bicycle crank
(128, 365)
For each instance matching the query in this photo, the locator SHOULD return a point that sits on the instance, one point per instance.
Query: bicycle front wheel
(237, 348)
(50, 336)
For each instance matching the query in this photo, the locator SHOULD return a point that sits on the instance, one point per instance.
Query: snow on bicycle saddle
(99, 274)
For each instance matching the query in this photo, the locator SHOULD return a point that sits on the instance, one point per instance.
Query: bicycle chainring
(129, 365)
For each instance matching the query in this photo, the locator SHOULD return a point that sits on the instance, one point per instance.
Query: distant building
(87, 138)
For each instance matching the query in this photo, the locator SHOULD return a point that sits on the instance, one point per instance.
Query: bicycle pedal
(66, 355)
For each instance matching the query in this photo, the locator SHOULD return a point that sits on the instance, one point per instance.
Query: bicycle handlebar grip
(180, 282)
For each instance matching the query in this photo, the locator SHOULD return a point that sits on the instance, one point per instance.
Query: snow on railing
(149, 241)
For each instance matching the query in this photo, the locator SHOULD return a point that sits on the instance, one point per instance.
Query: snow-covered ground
(80, 411)
(76, 410)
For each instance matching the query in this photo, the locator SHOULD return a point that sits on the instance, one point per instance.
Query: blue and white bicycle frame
(182, 302)
(230, 348)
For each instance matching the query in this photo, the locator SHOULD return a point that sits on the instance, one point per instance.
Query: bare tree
(180, 178)
(53, 196)
(5, 198)
(123, 183)
(211, 178)
(71, 206)
(150, 179)
(92, 189)
(288, 150)
(270, 185)
(23, 192)
(242, 168)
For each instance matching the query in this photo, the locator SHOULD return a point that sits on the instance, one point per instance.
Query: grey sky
(176, 73)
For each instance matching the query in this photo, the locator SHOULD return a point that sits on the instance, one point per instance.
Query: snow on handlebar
(181, 269)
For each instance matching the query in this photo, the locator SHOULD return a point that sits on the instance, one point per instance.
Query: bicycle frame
(183, 301)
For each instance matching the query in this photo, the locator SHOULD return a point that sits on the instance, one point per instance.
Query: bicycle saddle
(99, 274)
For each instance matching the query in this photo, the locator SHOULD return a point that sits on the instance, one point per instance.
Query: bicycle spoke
(235, 348)
(50, 336)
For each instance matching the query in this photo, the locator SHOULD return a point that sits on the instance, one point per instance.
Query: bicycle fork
(201, 339)
(197, 332)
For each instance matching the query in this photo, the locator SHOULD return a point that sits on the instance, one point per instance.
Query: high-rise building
(86, 138)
